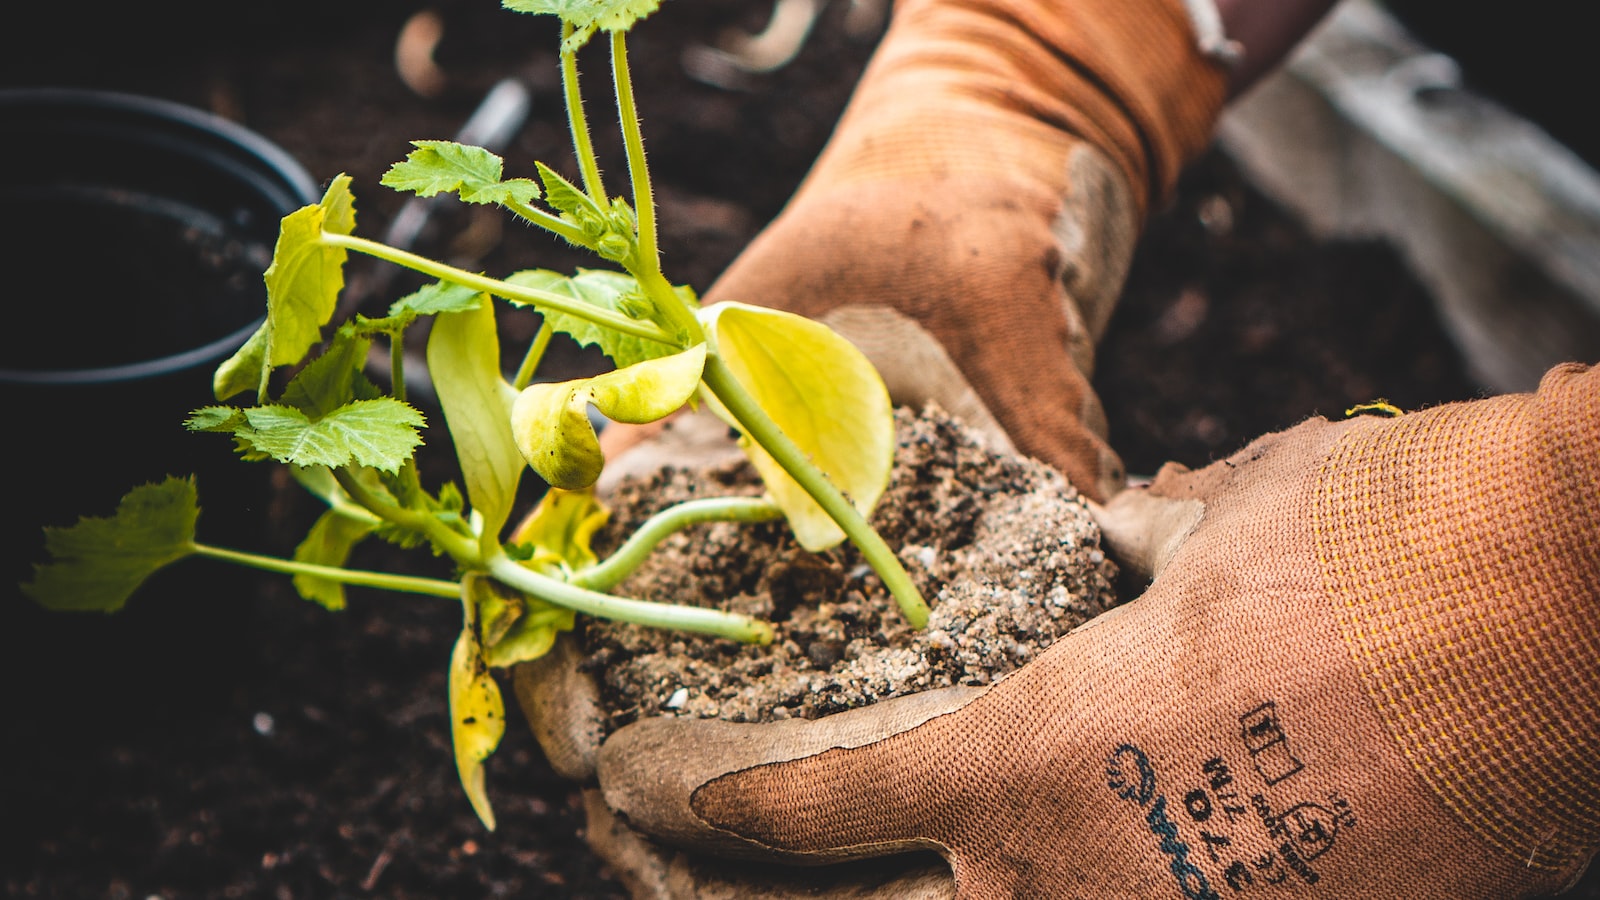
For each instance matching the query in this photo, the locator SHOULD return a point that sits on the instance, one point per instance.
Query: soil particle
(1002, 547)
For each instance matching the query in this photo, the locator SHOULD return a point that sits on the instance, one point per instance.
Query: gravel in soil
(1002, 547)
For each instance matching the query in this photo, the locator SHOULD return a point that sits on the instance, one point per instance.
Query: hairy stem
(647, 268)
(633, 552)
(531, 296)
(652, 615)
(549, 222)
(754, 421)
(577, 123)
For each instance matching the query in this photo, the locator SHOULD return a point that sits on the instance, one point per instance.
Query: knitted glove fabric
(982, 194)
(1369, 667)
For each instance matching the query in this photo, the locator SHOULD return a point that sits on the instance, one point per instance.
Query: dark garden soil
(222, 738)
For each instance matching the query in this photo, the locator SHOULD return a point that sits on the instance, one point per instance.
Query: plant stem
(648, 259)
(559, 226)
(653, 615)
(532, 296)
(760, 427)
(397, 366)
(534, 356)
(622, 563)
(406, 583)
(577, 123)
(463, 549)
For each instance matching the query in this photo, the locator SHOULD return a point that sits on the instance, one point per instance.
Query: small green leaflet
(587, 16)
(328, 544)
(303, 285)
(333, 379)
(473, 173)
(379, 433)
(604, 289)
(99, 562)
(436, 298)
(564, 195)
(610, 227)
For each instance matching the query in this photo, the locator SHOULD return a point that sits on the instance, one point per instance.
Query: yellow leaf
(551, 421)
(824, 394)
(477, 718)
(562, 526)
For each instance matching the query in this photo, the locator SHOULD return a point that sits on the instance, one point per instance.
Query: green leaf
(587, 16)
(436, 298)
(473, 173)
(305, 277)
(464, 363)
(477, 711)
(824, 394)
(565, 196)
(530, 636)
(99, 562)
(561, 527)
(551, 421)
(333, 379)
(303, 284)
(516, 628)
(380, 433)
(243, 371)
(602, 289)
(329, 543)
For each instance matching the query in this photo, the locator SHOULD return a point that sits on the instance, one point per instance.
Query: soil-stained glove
(979, 201)
(1368, 665)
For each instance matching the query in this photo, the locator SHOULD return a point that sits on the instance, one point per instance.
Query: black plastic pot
(138, 230)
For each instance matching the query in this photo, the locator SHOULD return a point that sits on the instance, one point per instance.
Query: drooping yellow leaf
(551, 421)
(824, 394)
(477, 713)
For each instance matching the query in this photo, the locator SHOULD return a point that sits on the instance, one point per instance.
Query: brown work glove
(980, 198)
(1368, 666)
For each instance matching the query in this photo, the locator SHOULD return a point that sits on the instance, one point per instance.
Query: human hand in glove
(1368, 665)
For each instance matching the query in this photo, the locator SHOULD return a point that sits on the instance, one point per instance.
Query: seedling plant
(812, 414)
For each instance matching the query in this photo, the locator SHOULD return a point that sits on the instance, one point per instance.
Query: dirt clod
(1001, 546)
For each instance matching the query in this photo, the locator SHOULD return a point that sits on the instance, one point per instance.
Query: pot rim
(207, 131)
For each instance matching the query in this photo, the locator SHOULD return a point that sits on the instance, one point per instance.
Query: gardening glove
(976, 208)
(1368, 665)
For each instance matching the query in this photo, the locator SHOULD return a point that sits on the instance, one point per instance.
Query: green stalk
(561, 227)
(532, 296)
(754, 421)
(405, 583)
(652, 615)
(577, 122)
(633, 552)
(648, 259)
(397, 365)
(462, 549)
(534, 356)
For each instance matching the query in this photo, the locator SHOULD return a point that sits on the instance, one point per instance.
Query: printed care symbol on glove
(1268, 745)
(1312, 826)
(1131, 777)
